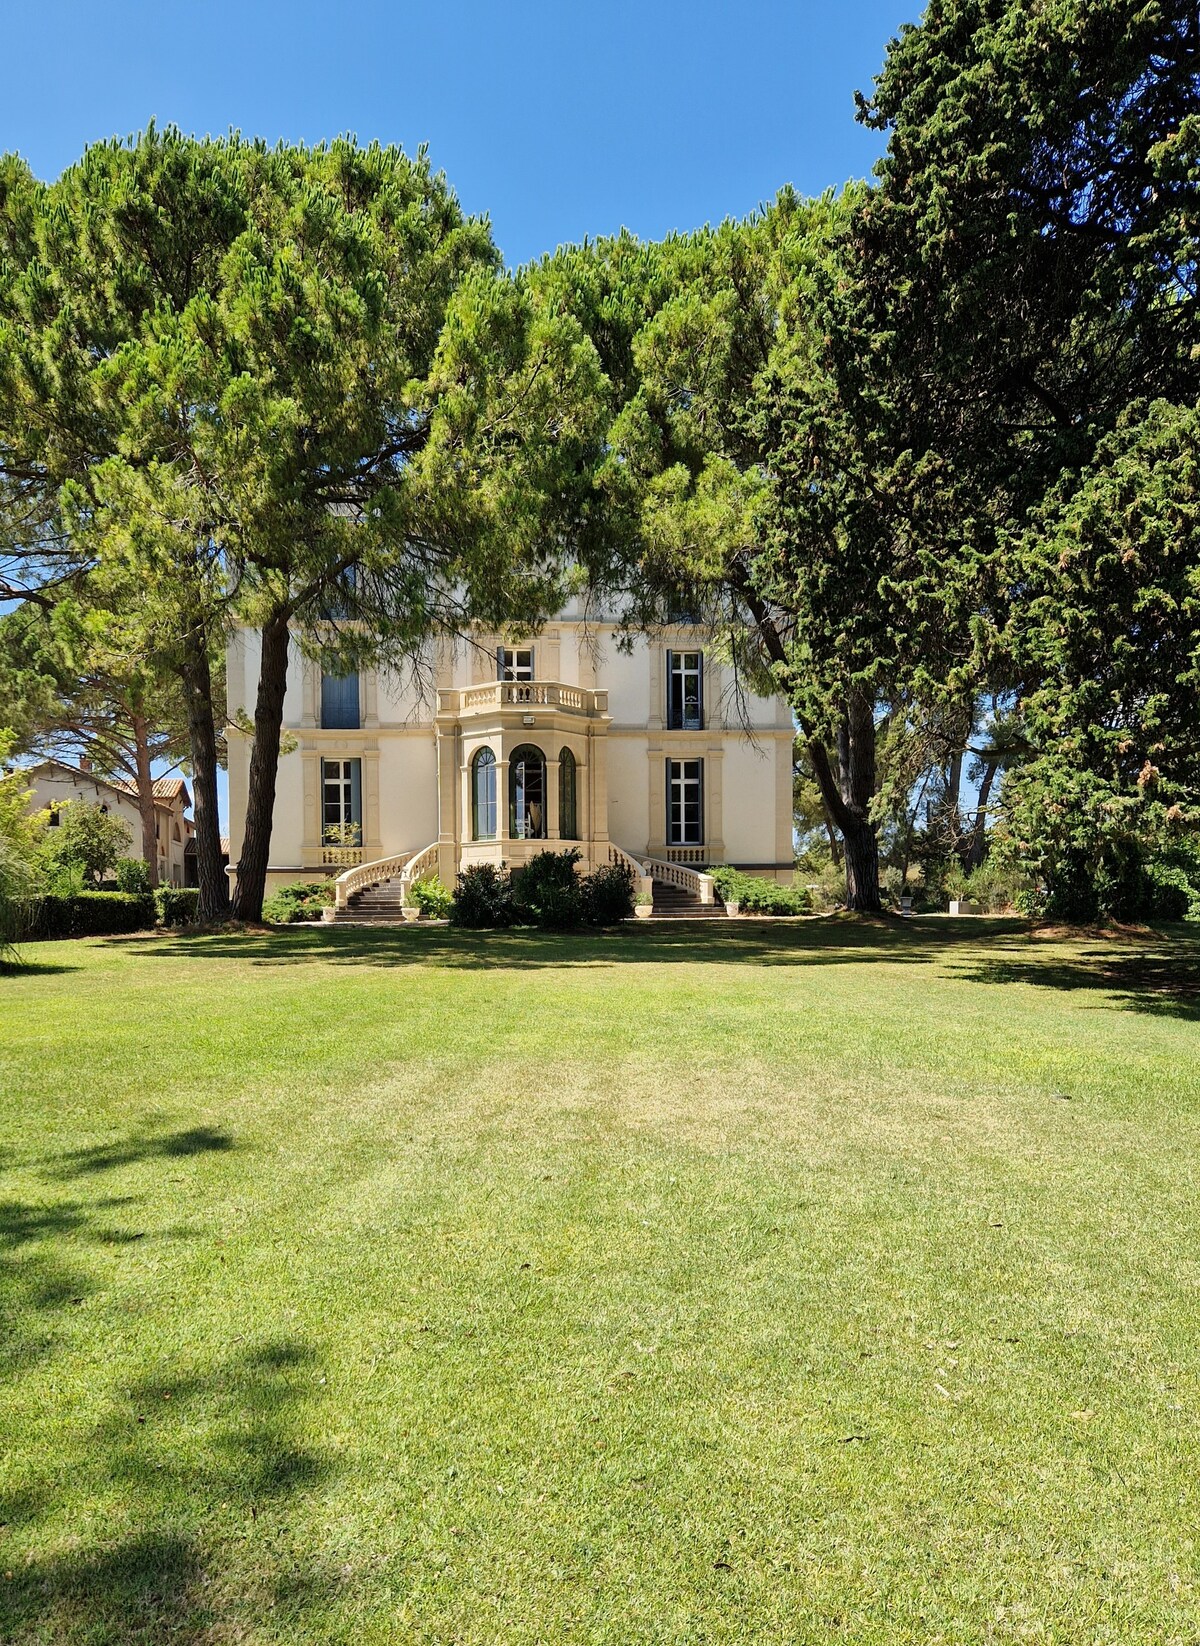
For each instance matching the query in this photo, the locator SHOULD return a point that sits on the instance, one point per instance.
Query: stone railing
(697, 856)
(523, 694)
(642, 883)
(688, 880)
(364, 875)
(425, 862)
(341, 857)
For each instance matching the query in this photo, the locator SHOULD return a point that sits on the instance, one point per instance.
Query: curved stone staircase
(376, 906)
(674, 903)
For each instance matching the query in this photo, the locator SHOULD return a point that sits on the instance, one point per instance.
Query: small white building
(507, 749)
(55, 784)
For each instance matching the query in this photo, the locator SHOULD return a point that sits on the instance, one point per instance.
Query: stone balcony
(499, 698)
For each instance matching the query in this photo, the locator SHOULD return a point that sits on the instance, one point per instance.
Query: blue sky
(555, 119)
(558, 120)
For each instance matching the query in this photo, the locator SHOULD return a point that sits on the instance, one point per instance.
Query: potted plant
(410, 912)
(643, 906)
(733, 905)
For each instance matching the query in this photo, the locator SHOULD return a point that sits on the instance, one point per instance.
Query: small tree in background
(87, 839)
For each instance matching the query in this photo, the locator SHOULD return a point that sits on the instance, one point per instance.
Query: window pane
(484, 795)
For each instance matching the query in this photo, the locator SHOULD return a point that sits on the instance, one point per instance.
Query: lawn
(733, 1283)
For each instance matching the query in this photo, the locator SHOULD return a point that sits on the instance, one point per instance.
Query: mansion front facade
(502, 750)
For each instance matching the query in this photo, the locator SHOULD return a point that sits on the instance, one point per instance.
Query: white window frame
(341, 785)
(685, 783)
(686, 668)
(514, 663)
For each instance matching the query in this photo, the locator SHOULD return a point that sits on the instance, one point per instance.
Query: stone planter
(410, 914)
(643, 911)
(329, 914)
(963, 905)
(733, 906)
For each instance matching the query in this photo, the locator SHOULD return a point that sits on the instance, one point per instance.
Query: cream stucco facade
(577, 741)
(54, 784)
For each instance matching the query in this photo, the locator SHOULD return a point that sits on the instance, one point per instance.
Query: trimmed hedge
(177, 905)
(94, 914)
(302, 900)
(759, 896)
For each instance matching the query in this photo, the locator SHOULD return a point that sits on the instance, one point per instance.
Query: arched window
(483, 795)
(568, 821)
(527, 794)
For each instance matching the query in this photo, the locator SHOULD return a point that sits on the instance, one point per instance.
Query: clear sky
(555, 119)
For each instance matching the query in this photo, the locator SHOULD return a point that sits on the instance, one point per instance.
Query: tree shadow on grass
(104, 1157)
(1160, 979)
(836, 941)
(25, 967)
(36, 1284)
(176, 1449)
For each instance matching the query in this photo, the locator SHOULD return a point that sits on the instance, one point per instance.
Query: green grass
(740, 1283)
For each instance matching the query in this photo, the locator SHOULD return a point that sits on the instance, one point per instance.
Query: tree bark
(978, 847)
(264, 769)
(145, 795)
(213, 902)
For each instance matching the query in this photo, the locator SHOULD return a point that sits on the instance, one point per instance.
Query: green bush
(94, 914)
(483, 897)
(177, 905)
(132, 875)
(431, 896)
(607, 894)
(759, 896)
(303, 900)
(546, 891)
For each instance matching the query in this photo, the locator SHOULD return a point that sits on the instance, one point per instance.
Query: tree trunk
(862, 868)
(954, 822)
(213, 902)
(856, 780)
(978, 847)
(264, 769)
(834, 850)
(145, 796)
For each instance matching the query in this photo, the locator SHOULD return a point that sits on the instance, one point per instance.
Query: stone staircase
(376, 906)
(673, 903)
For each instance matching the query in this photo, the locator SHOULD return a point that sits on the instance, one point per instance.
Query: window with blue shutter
(339, 702)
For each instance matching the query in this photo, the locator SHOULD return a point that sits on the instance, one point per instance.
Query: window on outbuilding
(483, 795)
(568, 817)
(527, 794)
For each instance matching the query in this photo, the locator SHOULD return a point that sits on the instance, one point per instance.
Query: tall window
(514, 665)
(527, 794)
(341, 802)
(568, 821)
(339, 702)
(483, 795)
(685, 691)
(685, 802)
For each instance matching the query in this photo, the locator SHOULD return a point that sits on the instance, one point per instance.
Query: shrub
(132, 875)
(431, 896)
(303, 900)
(177, 905)
(94, 914)
(483, 896)
(88, 837)
(607, 895)
(546, 891)
(760, 896)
